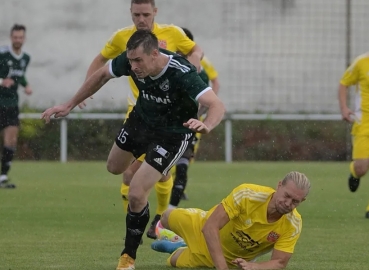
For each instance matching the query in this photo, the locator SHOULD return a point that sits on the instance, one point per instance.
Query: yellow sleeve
(115, 45)
(287, 241)
(352, 74)
(234, 203)
(183, 43)
(209, 68)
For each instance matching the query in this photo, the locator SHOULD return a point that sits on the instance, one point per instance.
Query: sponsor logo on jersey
(164, 85)
(163, 100)
(15, 72)
(163, 44)
(272, 236)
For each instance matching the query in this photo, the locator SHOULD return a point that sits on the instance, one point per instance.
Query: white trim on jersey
(111, 69)
(203, 92)
(179, 154)
(164, 69)
(175, 64)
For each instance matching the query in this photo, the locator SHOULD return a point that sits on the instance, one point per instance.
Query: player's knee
(112, 167)
(164, 220)
(135, 198)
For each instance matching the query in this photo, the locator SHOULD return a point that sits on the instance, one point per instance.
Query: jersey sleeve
(209, 68)
(235, 203)
(192, 83)
(120, 66)
(288, 240)
(352, 74)
(183, 43)
(114, 46)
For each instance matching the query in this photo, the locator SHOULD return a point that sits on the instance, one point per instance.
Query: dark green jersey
(204, 76)
(169, 99)
(12, 66)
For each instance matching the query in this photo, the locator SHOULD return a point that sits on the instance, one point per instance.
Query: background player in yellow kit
(251, 221)
(357, 74)
(207, 74)
(170, 37)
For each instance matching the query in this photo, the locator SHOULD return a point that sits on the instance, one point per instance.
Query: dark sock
(136, 225)
(6, 159)
(179, 184)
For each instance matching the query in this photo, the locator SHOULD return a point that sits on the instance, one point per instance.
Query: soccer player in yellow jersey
(207, 74)
(357, 74)
(170, 37)
(251, 221)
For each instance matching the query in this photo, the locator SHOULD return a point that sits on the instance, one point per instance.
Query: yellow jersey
(170, 37)
(209, 68)
(358, 74)
(248, 234)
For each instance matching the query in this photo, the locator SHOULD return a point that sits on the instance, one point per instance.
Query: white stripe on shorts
(181, 151)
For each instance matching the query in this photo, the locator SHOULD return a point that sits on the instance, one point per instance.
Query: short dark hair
(146, 38)
(188, 33)
(152, 2)
(17, 27)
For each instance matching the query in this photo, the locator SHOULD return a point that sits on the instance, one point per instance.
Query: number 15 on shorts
(122, 136)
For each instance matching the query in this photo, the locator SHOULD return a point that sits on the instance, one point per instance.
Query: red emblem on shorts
(273, 237)
(163, 44)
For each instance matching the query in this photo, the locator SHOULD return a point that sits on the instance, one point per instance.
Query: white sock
(3, 177)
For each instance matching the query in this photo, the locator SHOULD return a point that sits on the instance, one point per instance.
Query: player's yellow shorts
(130, 108)
(360, 147)
(188, 223)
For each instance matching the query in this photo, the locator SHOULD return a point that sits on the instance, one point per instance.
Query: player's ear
(155, 11)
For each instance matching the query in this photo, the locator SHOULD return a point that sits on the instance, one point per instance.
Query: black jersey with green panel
(168, 100)
(12, 66)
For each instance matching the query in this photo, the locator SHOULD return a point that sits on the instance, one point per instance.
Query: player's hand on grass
(196, 126)
(242, 264)
(58, 111)
(347, 115)
(83, 104)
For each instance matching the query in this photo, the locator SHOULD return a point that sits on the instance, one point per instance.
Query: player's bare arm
(342, 98)
(215, 113)
(279, 260)
(195, 56)
(98, 62)
(215, 85)
(88, 88)
(217, 220)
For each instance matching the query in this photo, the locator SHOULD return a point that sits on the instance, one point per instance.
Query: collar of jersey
(16, 56)
(164, 69)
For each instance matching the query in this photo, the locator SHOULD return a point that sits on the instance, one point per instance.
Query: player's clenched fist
(196, 126)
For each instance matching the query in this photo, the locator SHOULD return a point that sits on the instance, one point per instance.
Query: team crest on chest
(272, 236)
(163, 44)
(10, 63)
(164, 85)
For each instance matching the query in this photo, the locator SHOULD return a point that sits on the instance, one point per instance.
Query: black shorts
(9, 117)
(162, 149)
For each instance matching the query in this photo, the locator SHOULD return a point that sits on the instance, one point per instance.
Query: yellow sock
(352, 169)
(163, 192)
(124, 191)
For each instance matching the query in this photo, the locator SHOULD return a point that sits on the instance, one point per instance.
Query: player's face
(143, 16)
(142, 64)
(17, 38)
(288, 197)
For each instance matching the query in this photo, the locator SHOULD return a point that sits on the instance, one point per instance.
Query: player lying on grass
(251, 221)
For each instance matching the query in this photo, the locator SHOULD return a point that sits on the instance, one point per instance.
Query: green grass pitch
(69, 216)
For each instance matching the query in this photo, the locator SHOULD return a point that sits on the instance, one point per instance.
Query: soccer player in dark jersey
(161, 125)
(13, 65)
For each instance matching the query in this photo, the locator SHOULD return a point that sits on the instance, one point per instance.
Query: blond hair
(300, 180)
